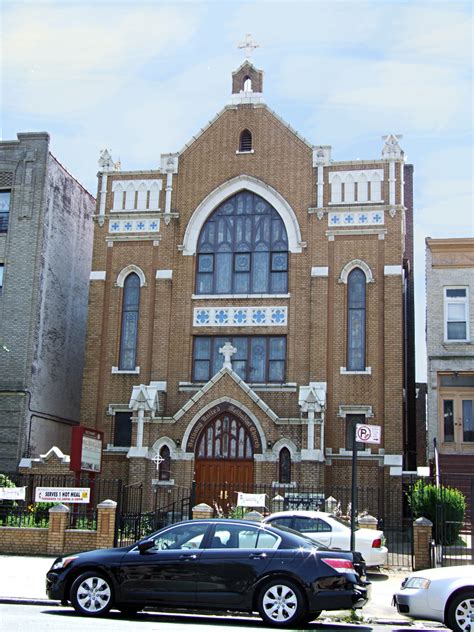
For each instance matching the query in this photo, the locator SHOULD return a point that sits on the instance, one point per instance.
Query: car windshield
(312, 541)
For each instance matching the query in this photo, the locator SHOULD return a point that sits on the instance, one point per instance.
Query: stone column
(422, 536)
(368, 522)
(106, 524)
(58, 521)
(202, 511)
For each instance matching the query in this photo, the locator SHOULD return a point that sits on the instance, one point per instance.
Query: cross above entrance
(158, 459)
(228, 351)
(248, 45)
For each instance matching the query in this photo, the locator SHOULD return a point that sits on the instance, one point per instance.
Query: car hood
(447, 572)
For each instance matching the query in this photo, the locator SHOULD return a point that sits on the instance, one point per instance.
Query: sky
(141, 78)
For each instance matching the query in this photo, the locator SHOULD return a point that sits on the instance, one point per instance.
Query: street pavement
(22, 581)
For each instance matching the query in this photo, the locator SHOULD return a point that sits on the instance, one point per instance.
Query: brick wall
(57, 539)
(317, 308)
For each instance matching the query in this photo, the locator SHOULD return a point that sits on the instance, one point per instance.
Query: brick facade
(326, 238)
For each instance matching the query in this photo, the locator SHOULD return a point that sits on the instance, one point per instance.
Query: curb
(27, 601)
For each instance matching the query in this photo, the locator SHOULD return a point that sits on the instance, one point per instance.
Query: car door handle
(188, 556)
(257, 556)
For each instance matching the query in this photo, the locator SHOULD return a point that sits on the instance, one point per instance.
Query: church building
(251, 300)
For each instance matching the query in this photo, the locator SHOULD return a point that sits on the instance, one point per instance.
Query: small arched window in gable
(245, 143)
(356, 320)
(129, 333)
(165, 464)
(284, 466)
(247, 84)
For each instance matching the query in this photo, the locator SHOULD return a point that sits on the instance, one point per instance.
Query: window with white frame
(456, 321)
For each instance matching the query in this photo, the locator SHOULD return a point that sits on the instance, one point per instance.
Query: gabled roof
(213, 381)
(232, 107)
(246, 64)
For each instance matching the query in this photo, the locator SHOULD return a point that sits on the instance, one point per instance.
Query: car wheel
(281, 603)
(460, 614)
(91, 595)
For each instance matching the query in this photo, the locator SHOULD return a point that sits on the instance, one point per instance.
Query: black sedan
(212, 565)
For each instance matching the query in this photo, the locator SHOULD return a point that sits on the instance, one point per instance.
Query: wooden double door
(224, 463)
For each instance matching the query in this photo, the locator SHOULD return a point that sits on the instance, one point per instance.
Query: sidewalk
(22, 580)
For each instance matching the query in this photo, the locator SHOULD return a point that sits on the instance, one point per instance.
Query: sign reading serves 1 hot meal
(62, 494)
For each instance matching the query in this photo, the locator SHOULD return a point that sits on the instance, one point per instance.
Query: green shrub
(444, 506)
(5, 481)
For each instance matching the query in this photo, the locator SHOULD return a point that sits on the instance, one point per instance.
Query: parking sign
(368, 434)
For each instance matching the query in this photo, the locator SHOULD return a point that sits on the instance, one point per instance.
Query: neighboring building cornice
(457, 252)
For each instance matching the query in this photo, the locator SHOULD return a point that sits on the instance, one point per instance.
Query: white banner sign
(250, 500)
(62, 494)
(368, 434)
(12, 493)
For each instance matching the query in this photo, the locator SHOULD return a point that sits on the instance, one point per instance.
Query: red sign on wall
(86, 449)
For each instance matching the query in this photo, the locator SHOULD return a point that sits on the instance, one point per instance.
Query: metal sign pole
(354, 487)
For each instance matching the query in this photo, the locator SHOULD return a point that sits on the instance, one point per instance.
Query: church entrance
(224, 463)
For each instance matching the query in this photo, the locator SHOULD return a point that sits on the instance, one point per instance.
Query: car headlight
(416, 582)
(62, 562)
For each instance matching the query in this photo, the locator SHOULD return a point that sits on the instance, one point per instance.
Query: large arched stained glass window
(129, 334)
(356, 286)
(243, 249)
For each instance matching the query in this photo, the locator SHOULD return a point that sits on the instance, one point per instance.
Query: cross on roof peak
(248, 45)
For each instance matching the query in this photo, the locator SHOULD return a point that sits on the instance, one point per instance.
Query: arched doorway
(224, 457)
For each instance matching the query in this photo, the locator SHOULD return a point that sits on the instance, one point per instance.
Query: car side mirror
(146, 545)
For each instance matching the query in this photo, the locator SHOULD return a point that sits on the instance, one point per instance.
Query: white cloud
(441, 31)
(68, 59)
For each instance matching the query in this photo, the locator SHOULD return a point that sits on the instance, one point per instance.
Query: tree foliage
(444, 506)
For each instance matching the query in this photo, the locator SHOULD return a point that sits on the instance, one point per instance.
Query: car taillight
(339, 565)
(376, 544)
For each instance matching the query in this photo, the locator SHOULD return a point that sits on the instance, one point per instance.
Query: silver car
(439, 594)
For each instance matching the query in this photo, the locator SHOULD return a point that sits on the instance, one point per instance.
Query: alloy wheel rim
(93, 594)
(465, 615)
(280, 603)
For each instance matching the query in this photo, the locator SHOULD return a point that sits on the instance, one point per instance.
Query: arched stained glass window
(225, 437)
(284, 466)
(356, 306)
(164, 471)
(129, 333)
(243, 249)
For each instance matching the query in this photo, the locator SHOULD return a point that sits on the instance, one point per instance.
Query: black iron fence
(28, 513)
(174, 503)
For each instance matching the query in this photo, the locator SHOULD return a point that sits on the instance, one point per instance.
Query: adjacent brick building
(45, 256)
(450, 349)
(252, 236)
